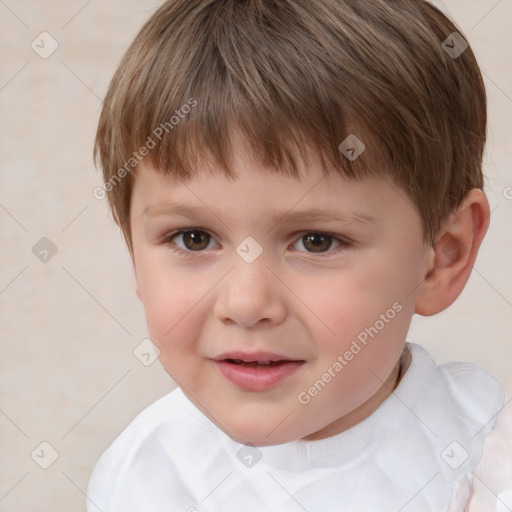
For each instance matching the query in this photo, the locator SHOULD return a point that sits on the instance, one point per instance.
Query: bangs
(280, 140)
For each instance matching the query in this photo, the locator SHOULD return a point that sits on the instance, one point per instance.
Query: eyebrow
(309, 215)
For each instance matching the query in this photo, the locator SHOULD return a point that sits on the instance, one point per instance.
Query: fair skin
(291, 300)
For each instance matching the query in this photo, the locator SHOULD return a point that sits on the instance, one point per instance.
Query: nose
(250, 294)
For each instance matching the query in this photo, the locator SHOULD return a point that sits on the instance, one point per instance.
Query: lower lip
(258, 378)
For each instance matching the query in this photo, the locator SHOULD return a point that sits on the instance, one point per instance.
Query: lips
(257, 371)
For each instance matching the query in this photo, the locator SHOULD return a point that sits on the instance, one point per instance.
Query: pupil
(318, 240)
(195, 237)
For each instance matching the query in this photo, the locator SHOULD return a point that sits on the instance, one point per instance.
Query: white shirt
(416, 452)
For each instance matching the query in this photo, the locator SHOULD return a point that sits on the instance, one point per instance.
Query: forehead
(263, 193)
(265, 198)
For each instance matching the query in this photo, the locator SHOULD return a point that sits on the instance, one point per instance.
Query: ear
(455, 252)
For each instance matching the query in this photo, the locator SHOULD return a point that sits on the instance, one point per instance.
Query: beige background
(69, 326)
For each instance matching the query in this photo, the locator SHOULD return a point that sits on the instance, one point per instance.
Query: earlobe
(455, 252)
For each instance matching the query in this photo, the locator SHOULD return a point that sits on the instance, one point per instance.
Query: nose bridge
(250, 292)
(250, 261)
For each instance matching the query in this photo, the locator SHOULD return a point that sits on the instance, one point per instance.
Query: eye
(319, 243)
(197, 240)
(194, 240)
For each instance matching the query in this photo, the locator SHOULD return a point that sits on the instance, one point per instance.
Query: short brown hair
(298, 73)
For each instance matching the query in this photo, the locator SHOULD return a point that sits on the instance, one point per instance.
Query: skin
(291, 300)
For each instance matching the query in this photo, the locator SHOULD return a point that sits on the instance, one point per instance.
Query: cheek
(363, 315)
(346, 302)
(361, 362)
(169, 301)
(172, 325)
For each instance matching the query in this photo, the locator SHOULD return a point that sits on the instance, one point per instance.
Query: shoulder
(449, 409)
(161, 437)
(164, 413)
(492, 485)
(475, 392)
(461, 388)
(456, 404)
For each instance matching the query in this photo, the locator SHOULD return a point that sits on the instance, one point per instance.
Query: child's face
(338, 314)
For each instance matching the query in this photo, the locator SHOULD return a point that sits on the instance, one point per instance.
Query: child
(294, 180)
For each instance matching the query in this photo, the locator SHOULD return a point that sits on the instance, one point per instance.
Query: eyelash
(344, 243)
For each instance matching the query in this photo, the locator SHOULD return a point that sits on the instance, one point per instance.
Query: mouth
(256, 364)
(258, 371)
(260, 357)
